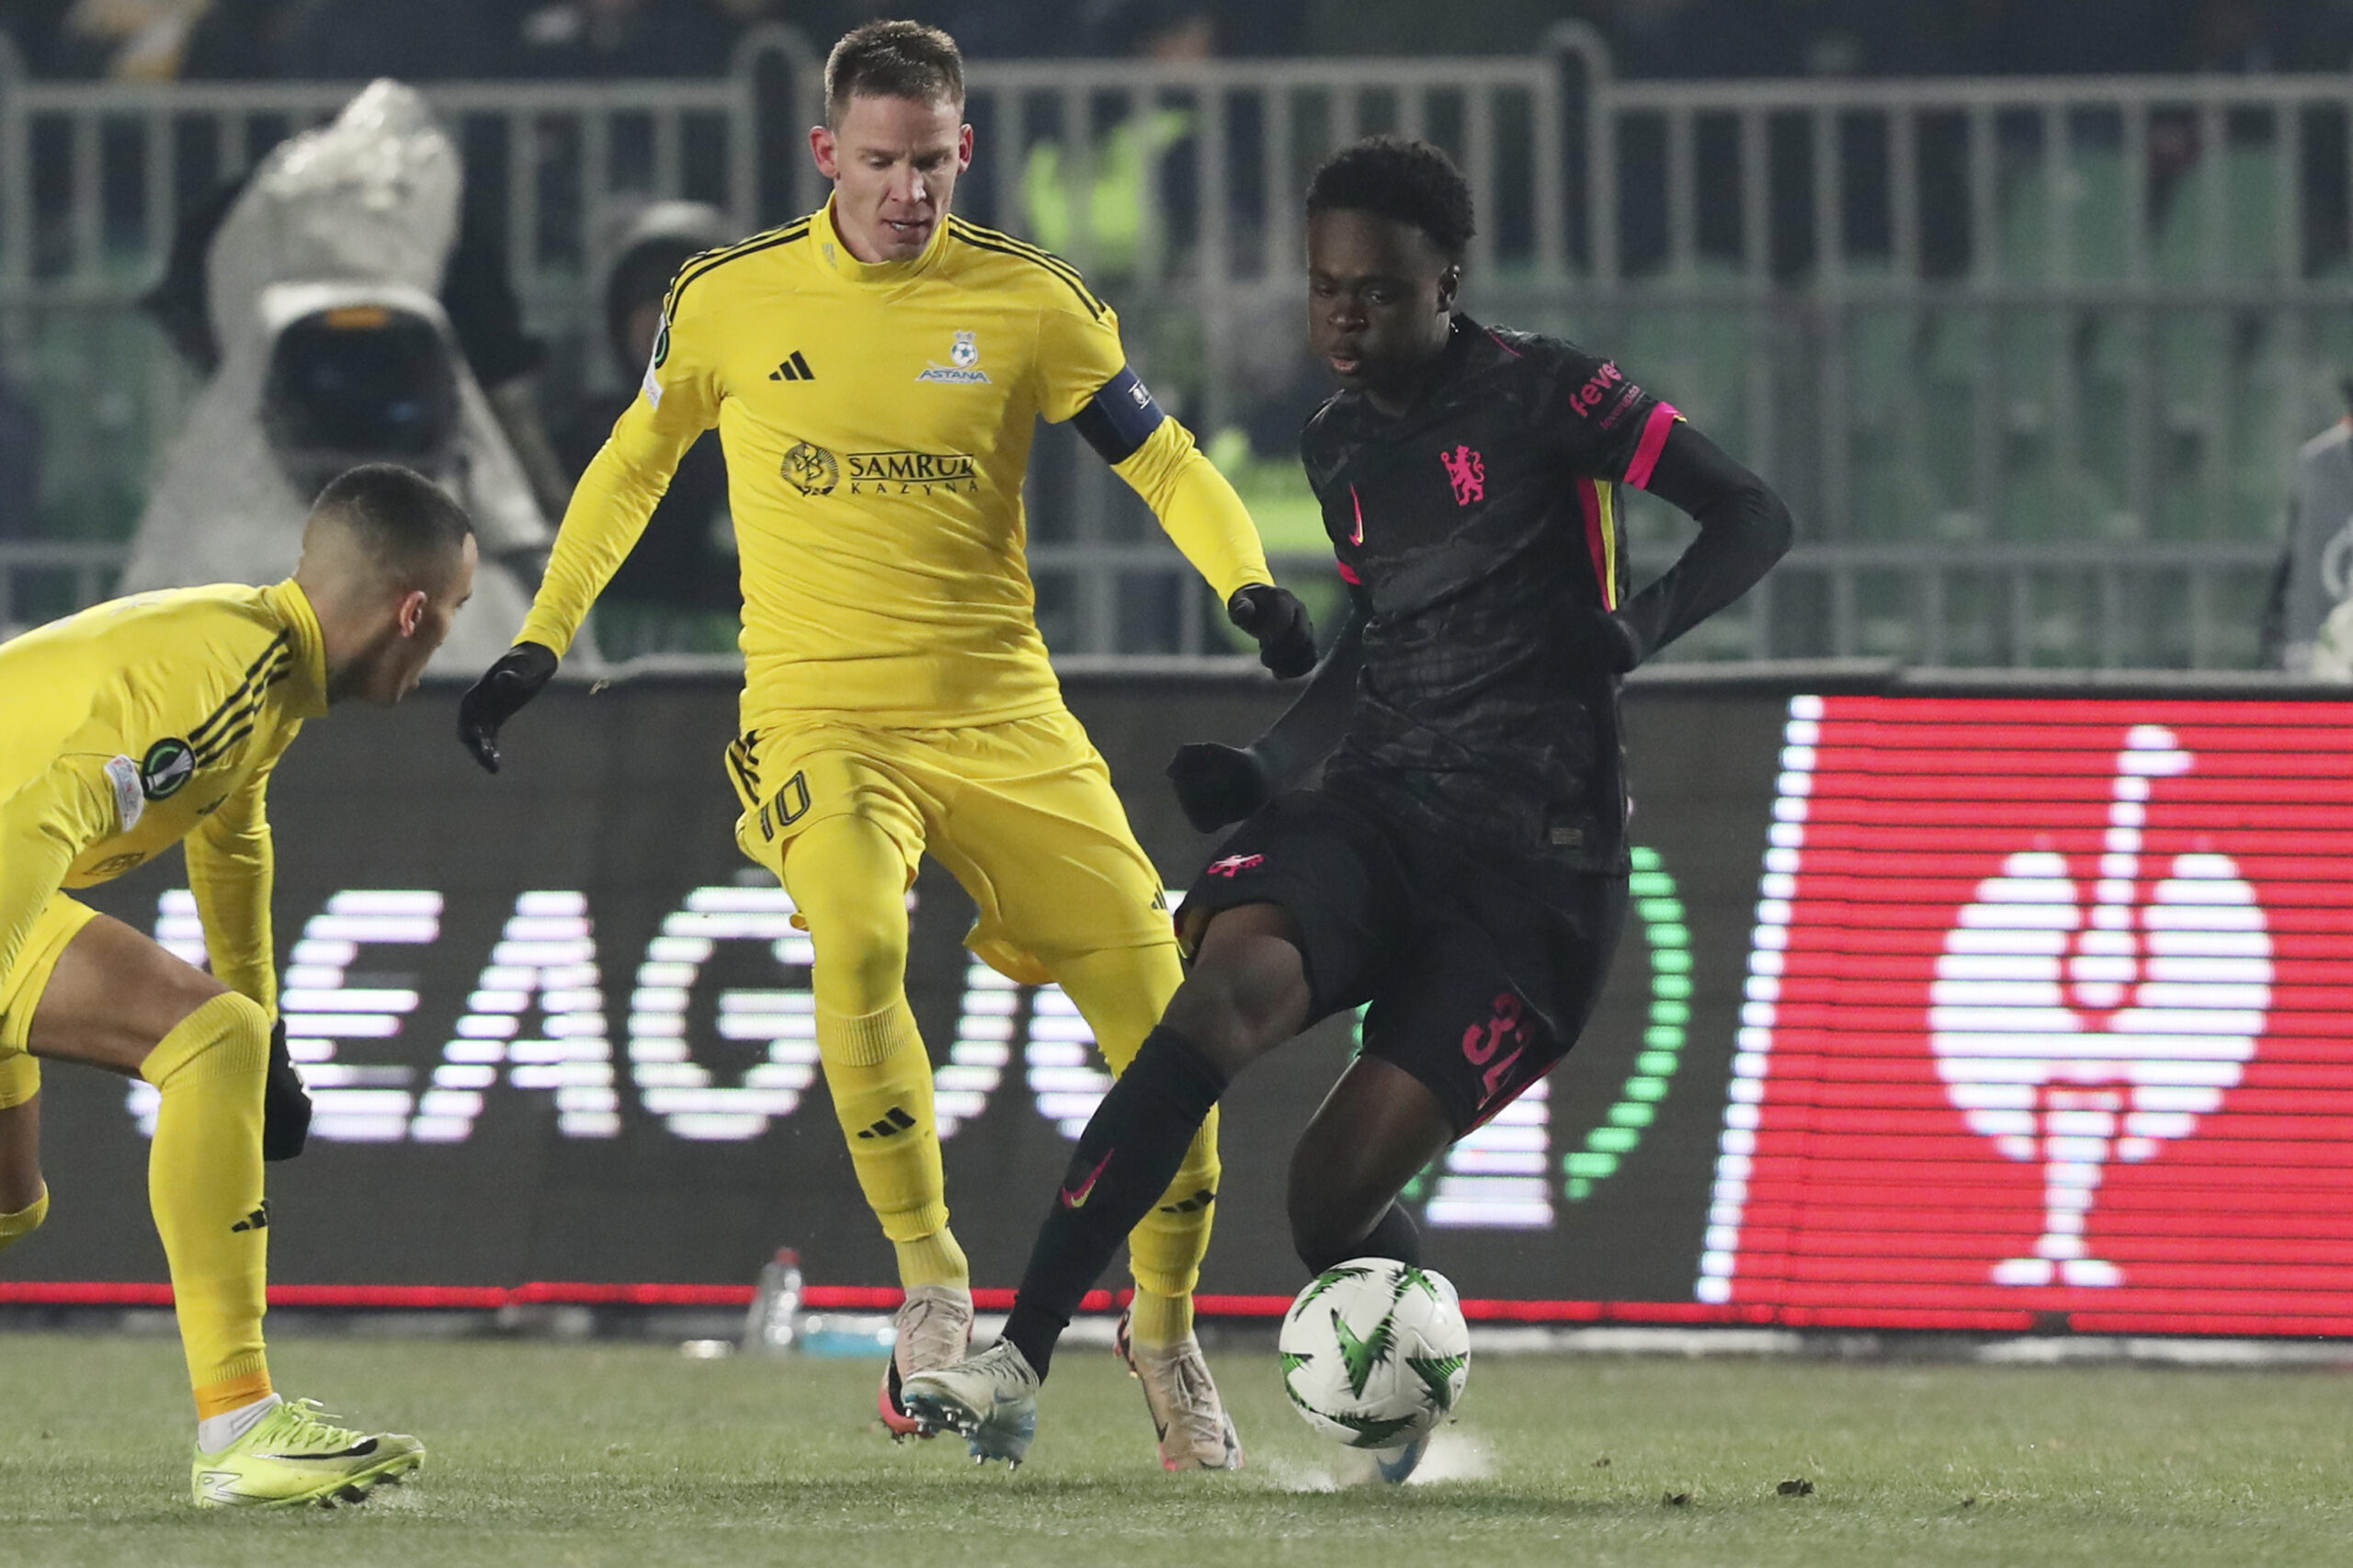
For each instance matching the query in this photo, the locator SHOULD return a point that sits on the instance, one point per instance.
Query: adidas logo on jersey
(794, 368)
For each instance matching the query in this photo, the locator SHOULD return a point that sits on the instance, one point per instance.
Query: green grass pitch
(584, 1454)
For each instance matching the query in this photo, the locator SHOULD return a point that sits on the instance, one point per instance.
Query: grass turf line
(596, 1455)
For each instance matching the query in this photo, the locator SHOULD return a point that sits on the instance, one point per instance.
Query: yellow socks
(1158, 1321)
(204, 1183)
(935, 1259)
(881, 1080)
(1165, 1249)
(850, 879)
(1122, 991)
(15, 1227)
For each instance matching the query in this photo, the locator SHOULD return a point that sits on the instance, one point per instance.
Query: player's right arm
(676, 402)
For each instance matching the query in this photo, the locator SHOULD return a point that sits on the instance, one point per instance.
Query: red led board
(2048, 1019)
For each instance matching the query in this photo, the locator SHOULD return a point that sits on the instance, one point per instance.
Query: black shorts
(1479, 980)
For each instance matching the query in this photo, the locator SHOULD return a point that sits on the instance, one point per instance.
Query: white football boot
(990, 1400)
(935, 1329)
(1195, 1431)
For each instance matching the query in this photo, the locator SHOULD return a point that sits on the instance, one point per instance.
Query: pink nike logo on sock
(1075, 1197)
(1357, 502)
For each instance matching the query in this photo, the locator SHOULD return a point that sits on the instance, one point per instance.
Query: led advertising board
(1980, 1012)
(558, 1031)
(2047, 1021)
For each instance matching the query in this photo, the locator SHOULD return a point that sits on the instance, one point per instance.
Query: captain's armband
(1118, 418)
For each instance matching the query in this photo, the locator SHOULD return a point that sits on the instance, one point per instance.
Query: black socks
(1393, 1236)
(1125, 1160)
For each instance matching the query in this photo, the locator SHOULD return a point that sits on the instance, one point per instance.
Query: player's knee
(856, 908)
(225, 1037)
(1226, 1018)
(861, 942)
(15, 1227)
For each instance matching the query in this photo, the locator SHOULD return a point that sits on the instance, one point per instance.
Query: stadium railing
(2029, 357)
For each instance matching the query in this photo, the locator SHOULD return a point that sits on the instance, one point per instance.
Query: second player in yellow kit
(154, 721)
(876, 371)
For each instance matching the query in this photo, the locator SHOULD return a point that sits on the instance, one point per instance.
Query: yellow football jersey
(877, 420)
(146, 720)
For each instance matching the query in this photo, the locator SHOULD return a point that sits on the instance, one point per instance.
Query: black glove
(1278, 623)
(285, 1102)
(499, 696)
(1217, 784)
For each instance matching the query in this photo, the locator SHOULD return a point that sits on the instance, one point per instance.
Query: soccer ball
(1375, 1352)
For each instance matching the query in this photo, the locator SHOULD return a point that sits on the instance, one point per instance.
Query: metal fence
(2030, 359)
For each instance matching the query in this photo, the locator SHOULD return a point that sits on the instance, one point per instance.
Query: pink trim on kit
(1661, 420)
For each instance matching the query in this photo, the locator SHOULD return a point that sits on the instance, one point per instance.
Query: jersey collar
(835, 257)
(308, 678)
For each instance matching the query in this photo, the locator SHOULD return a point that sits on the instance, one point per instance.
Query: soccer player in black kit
(1461, 863)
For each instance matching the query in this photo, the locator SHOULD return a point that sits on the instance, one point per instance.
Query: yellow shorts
(1022, 814)
(60, 921)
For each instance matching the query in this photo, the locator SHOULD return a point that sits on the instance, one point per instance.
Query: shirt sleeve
(1087, 379)
(678, 401)
(1743, 529)
(1078, 352)
(50, 820)
(1198, 508)
(231, 871)
(1599, 420)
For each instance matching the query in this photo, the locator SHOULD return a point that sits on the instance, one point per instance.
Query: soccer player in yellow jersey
(876, 371)
(124, 730)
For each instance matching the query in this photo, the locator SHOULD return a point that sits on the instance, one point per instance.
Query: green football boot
(295, 1455)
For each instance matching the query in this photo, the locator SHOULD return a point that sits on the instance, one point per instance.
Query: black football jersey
(1482, 534)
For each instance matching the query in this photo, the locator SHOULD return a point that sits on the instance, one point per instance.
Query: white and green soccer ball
(1375, 1352)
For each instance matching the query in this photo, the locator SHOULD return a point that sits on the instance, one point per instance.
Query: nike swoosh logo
(1357, 502)
(1075, 1197)
(357, 1450)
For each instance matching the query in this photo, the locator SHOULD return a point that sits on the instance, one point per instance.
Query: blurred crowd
(430, 39)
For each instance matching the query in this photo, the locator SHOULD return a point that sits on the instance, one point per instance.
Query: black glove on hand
(499, 696)
(285, 1102)
(1217, 784)
(1277, 621)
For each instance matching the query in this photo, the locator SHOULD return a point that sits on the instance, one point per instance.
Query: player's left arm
(1089, 383)
(1609, 427)
(231, 871)
(1745, 528)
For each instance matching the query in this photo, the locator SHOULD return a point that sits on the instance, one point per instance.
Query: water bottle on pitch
(772, 1326)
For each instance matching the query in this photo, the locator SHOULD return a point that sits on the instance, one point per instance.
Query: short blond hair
(893, 59)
